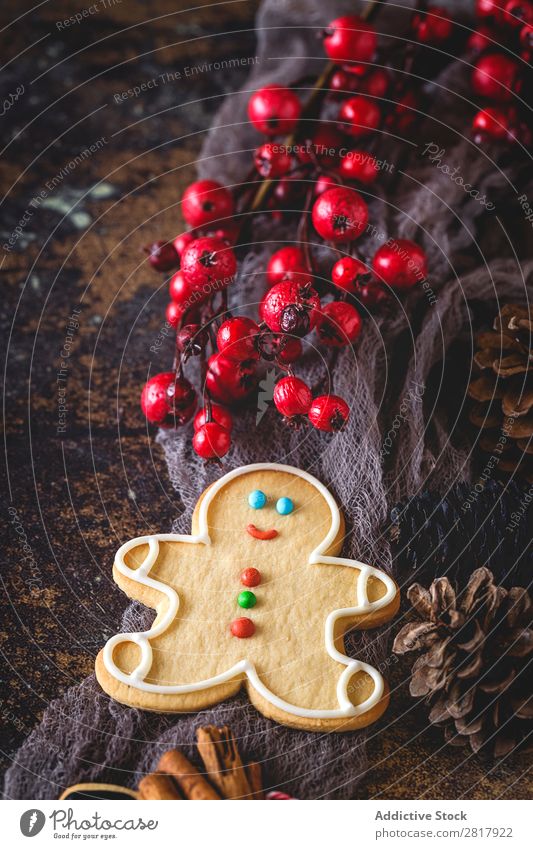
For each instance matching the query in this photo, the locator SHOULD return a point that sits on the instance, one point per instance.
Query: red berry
(287, 264)
(178, 288)
(432, 26)
(206, 201)
(324, 183)
(167, 400)
(155, 399)
(284, 297)
(272, 160)
(219, 415)
(516, 13)
(208, 265)
(174, 313)
(292, 397)
(359, 116)
(211, 441)
(329, 413)
(290, 351)
(274, 110)
(493, 123)
(376, 83)
(251, 577)
(237, 339)
(183, 400)
(400, 263)
(181, 242)
(497, 77)
(242, 627)
(228, 381)
(350, 39)
(339, 324)
(359, 165)
(349, 273)
(162, 255)
(340, 215)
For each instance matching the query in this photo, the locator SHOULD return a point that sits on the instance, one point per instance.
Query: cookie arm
(166, 611)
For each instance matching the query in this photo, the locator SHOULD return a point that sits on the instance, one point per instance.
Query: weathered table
(93, 170)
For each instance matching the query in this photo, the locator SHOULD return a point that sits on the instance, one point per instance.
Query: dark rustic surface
(74, 496)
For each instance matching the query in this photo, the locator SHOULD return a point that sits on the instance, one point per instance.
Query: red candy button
(242, 627)
(251, 577)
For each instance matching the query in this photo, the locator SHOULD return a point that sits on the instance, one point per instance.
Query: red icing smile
(257, 534)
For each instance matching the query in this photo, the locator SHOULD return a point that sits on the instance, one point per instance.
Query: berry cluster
(504, 44)
(313, 174)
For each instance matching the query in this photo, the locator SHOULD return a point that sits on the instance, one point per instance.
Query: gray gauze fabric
(398, 436)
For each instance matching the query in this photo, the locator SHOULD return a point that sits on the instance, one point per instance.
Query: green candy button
(246, 599)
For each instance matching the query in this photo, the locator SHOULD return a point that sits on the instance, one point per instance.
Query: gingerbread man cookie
(255, 596)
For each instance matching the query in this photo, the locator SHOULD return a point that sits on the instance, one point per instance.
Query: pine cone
(474, 670)
(503, 392)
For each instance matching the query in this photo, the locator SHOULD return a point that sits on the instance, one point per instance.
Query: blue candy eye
(284, 506)
(257, 499)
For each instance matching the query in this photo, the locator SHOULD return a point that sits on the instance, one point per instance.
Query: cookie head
(268, 508)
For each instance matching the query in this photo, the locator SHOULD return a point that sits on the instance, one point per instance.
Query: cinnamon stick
(159, 787)
(253, 771)
(223, 764)
(192, 784)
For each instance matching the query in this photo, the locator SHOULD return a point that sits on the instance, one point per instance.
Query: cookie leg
(316, 692)
(323, 723)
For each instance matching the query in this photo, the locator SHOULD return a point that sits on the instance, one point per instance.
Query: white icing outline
(246, 667)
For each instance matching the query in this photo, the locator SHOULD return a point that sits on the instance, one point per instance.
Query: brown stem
(255, 203)
(315, 97)
(303, 229)
(250, 177)
(317, 94)
(253, 771)
(205, 394)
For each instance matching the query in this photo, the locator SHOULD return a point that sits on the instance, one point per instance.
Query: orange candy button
(242, 627)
